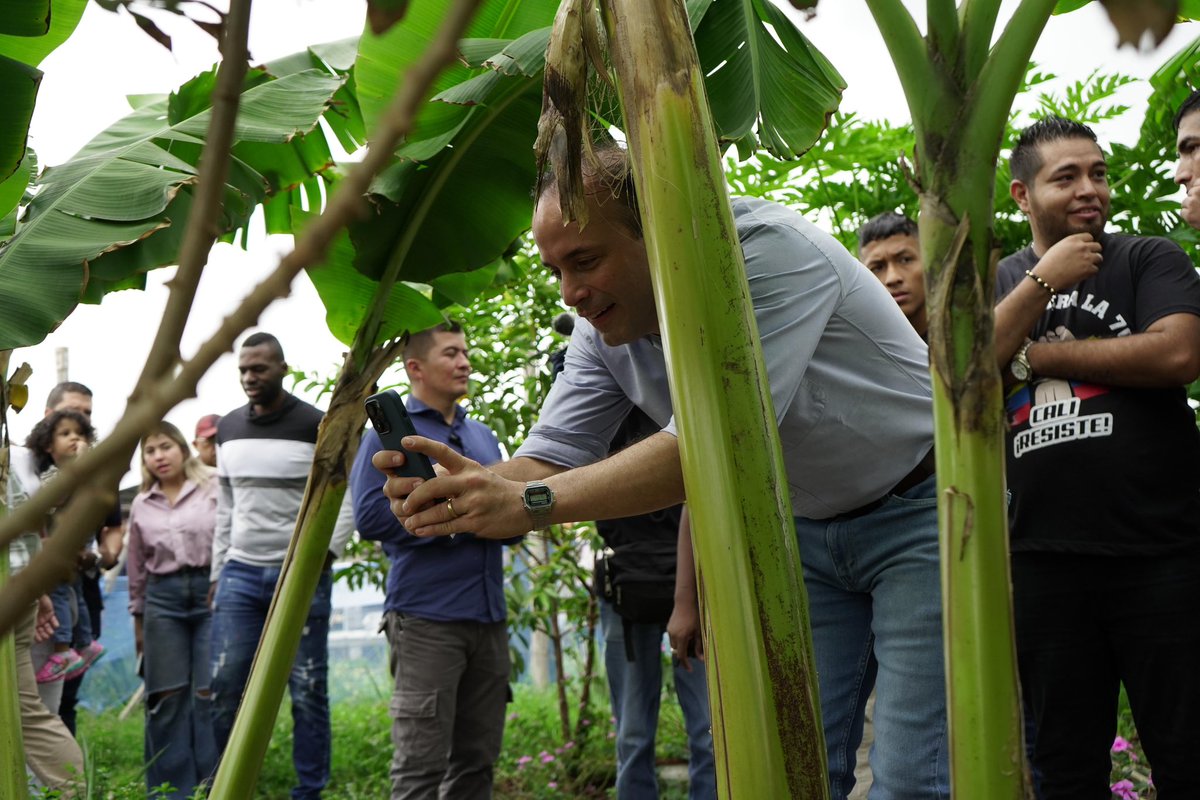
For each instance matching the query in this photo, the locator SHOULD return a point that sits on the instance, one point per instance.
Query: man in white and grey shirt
(264, 453)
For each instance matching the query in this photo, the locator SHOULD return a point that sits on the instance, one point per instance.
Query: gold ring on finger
(450, 508)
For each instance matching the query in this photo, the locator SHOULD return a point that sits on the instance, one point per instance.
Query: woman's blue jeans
(874, 594)
(176, 633)
(240, 606)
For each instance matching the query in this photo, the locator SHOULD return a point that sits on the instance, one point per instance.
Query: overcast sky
(87, 79)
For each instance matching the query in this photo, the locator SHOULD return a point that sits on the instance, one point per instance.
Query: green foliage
(534, 754)
(858, 168)
(766, 81)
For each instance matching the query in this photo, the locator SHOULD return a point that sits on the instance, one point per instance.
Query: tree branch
(978, 23)
(1001, 74)
(941, 26)
(907, 48)
(155, 400)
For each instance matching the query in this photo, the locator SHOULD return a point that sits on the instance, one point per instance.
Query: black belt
(919, 474)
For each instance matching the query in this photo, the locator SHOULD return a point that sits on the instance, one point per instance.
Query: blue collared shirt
(440, 578)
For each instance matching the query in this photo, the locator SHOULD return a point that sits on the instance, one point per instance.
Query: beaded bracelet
(1042, 283)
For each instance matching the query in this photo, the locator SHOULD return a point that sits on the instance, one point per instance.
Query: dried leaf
(383, 14)
(1133, 19)
(561, 129)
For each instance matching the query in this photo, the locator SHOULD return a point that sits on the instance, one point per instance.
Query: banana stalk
(762, 684)
(12, 750)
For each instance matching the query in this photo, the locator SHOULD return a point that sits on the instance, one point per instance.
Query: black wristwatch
(1019, 366)
(538, 500)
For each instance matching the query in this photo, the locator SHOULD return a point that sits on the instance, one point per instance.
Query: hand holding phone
(390, 419)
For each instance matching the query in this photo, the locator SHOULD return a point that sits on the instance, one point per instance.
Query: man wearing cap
(206, 439)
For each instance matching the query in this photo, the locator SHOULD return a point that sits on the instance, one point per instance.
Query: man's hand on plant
(465, 497)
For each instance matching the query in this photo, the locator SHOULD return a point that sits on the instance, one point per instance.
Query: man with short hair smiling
(445, 613)
(849, 381)
(1103, 332)
(1187, 174)
(888, 245)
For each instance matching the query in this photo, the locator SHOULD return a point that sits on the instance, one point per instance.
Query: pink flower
(568, 746)
(547, 758)
(1120, 745)
(552, 785)
(1124, 790)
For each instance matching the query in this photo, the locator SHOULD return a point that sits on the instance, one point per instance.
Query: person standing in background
(171, 525)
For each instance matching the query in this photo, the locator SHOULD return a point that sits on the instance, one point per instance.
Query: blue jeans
(874, 593)
(74, 622)
(239, 612)
(635, 688)
(177, 633)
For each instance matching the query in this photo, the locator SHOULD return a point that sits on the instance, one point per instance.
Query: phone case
(390, 419)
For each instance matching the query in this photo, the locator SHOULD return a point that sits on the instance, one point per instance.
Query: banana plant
(960, 79)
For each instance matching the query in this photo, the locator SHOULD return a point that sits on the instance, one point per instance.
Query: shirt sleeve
(224, 526)
(135, 564)
(343, 529)
(581, 413)
(1166, 283)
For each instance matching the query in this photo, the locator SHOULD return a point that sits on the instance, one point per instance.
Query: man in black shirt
(1103, 332)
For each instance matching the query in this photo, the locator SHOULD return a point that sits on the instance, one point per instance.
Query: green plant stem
(762, 686)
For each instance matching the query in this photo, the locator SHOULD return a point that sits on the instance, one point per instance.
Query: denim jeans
(874, 593)
(635, 688)
(176, 662)
(239, 612)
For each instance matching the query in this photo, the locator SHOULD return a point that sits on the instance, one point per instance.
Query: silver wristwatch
(538, 500)
(1019, 366)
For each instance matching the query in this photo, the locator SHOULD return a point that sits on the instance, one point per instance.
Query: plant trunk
(983, 702)
(12, 749)
(762, 684)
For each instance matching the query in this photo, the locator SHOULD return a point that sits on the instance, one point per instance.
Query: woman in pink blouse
(170, 549)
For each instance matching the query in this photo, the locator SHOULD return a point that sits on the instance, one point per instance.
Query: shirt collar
(417, 406)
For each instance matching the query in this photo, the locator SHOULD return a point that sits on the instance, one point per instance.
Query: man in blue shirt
(445, 610)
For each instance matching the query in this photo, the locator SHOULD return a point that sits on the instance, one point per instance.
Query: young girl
(171, 526)
(56, 440)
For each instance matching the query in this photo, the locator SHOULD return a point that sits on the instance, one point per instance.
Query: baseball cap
(206, 428)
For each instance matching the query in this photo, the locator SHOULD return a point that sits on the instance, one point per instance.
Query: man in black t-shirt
(1103, 333)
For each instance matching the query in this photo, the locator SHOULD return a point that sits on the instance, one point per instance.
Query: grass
(534, 763)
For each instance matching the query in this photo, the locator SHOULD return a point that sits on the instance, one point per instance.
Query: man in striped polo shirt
(264, 453)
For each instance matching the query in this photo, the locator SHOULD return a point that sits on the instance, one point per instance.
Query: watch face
(1020, 370)
(539, 497)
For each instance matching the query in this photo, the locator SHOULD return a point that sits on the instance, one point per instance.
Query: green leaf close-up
(115, 193)
(772, 78)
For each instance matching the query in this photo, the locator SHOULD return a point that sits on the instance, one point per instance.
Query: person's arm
(1065, 264)
(683, 629)
(1165, 354)
(112, 539)
(46, 622)
(135, 563)
(223, 530)
(487, 502)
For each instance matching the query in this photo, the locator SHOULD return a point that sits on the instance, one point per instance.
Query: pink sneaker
(58, 665)
(87, 656)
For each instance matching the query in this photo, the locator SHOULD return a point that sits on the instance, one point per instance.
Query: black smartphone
(390, 419)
